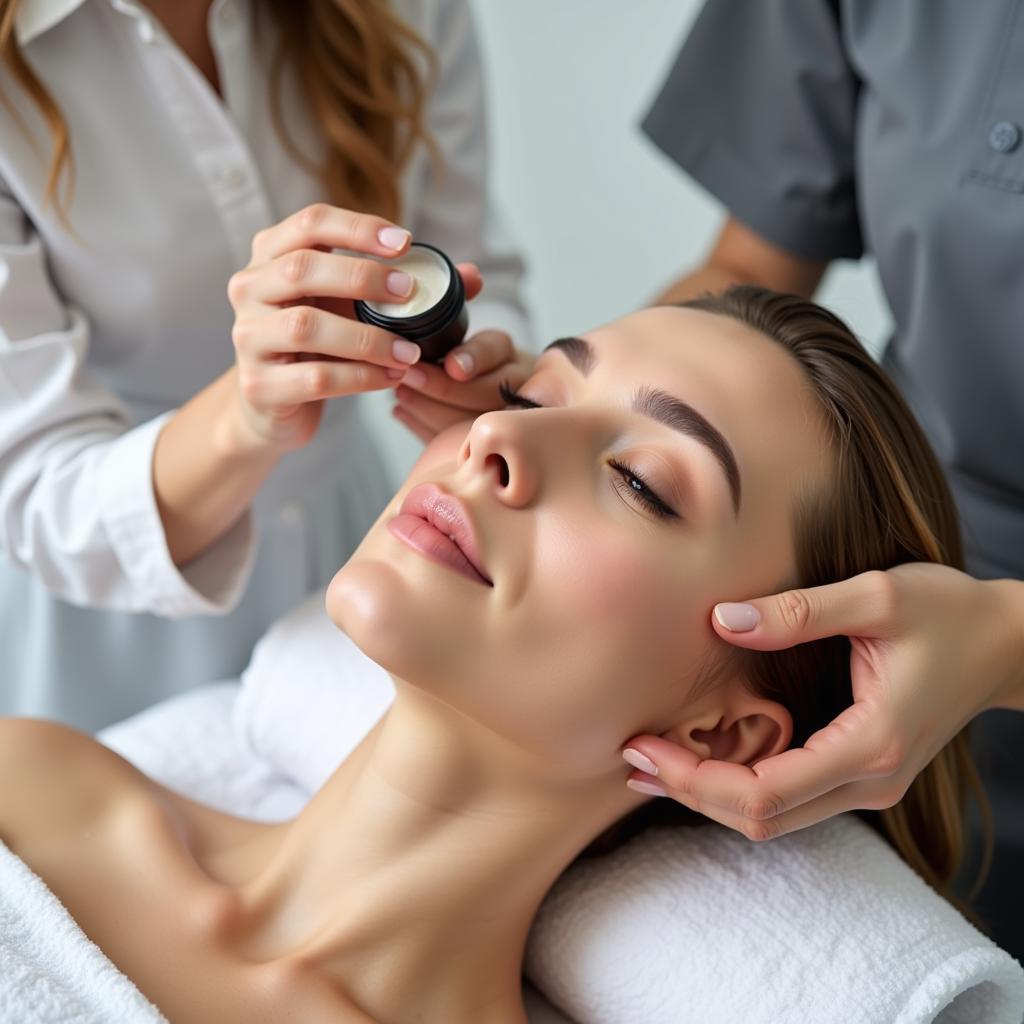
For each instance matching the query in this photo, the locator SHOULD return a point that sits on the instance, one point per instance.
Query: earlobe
(743, 731)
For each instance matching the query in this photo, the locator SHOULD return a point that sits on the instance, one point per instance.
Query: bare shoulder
(54, 777)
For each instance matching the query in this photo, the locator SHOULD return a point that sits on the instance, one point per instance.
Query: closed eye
(628, 480)
(513, 399)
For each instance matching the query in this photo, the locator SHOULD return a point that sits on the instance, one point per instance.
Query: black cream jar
(435, 315)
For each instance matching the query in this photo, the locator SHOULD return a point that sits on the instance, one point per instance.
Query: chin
(382, 611)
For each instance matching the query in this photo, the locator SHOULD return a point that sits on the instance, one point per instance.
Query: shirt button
(233, 177)
(1004, 137)
(291, 516)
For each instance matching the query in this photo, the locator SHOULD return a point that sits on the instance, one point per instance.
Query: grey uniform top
(835, 128)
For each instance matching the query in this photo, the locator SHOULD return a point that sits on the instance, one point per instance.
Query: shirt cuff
(212, 583)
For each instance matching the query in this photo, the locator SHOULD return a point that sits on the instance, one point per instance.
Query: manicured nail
(393, 238)
(464, 361)
(396, 374)
(638, 760)
(415, 377)
(400, 283)
(405, 351)
(737, 618)
(647, 788)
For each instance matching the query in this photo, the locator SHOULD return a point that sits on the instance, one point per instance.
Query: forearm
(707, 278)
(1011, 596)
(740, 256)
(206, 470)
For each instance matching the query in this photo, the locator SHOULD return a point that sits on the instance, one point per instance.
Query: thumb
(861, 606)
(472, 279)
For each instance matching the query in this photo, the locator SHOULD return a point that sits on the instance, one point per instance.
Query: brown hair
(364, 74)
(887, 503)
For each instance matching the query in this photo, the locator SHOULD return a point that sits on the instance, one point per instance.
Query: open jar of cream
(435, 316)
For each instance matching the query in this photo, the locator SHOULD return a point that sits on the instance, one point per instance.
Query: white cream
(431, 274)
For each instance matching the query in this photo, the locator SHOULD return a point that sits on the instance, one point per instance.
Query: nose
(502, 449)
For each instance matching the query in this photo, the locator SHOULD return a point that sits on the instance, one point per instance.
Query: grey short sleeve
(760, 108)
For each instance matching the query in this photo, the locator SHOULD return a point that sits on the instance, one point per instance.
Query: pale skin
(406, 888)
(298, 345)
(932, 648)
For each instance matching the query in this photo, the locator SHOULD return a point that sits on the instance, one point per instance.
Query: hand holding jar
(296, 338)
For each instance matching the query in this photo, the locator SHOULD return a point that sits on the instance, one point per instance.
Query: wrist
(234, 437)
(1009, 603)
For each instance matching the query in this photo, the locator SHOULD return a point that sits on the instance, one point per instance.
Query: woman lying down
(540, 589)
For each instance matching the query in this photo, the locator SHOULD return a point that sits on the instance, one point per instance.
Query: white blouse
(106, 328)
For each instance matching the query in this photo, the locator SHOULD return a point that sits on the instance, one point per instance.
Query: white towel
(49, 970)
(826, 924)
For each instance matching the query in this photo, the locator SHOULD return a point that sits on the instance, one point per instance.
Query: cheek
(604, 639)
(444, 448)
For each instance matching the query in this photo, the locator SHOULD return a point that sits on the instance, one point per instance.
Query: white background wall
(603, 219)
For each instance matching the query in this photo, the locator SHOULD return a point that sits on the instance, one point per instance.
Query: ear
(733, 724)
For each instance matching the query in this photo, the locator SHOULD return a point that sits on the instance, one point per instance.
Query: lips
(438, 525)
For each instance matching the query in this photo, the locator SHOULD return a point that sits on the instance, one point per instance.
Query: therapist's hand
(931, 648)
(432, 398)
(296, 338)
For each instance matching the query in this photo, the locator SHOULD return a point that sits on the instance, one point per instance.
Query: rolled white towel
(824, 925)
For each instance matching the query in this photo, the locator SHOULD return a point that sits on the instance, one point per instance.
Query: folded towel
(826, 924)
(49, 970)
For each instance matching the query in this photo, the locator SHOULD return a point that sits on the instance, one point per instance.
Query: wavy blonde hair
(365, 75)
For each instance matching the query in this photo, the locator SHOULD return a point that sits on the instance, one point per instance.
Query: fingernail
(405, 351)
(638, 760)
(400, 283)
(648, 788)
(464, 361)
(396, 374)
(415, 377)
(393, 238)
(738, 618)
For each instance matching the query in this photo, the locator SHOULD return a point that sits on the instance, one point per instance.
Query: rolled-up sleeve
(760, 108)
(456, 210)
(77, 505)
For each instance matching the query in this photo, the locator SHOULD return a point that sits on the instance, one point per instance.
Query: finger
(307, 272)
(855, 796)
(472, 279)
(834, 756)
(474, 396)
(324, 225)
(421, 430)
(291, 384)
(309, 330)
(480, 354)
(437, 416)
(863, 606)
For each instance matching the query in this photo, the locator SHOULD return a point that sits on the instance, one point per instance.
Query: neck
(413, 876)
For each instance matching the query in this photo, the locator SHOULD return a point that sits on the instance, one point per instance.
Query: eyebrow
(659, 405)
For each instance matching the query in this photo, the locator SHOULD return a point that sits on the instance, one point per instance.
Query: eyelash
(629, 477)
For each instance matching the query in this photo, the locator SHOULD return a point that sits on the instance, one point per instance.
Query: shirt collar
(34, 17)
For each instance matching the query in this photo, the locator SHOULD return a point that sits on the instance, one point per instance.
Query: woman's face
(658, 478)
